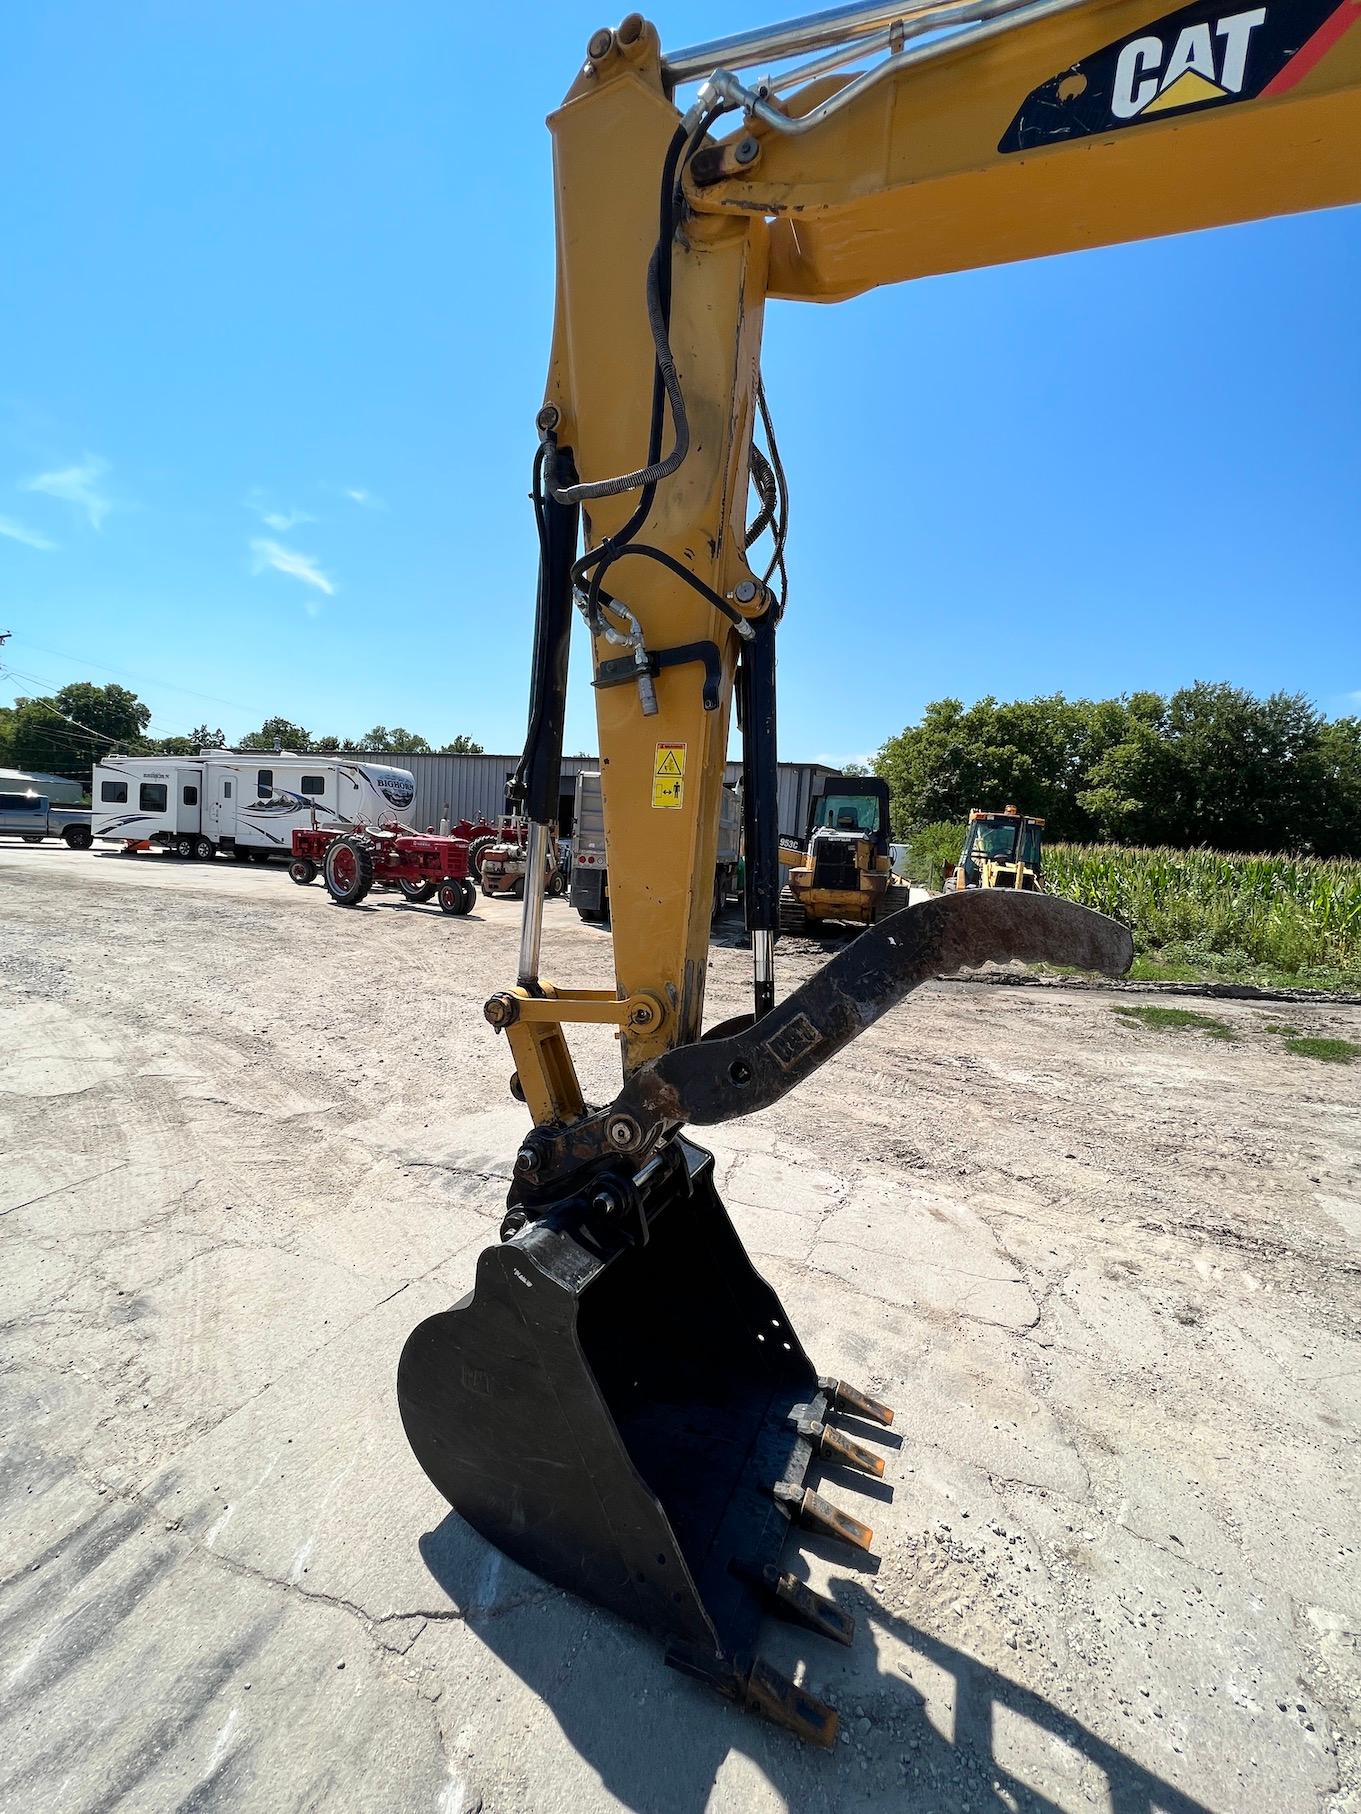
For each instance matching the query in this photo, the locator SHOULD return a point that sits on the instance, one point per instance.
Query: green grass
(1327, 1051)
(1178, 1020)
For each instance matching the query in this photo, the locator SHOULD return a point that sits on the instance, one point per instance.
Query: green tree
(1339, 762)
(329, 744)
(409, 743)
(69, 732)
(277, 731)
(1214, 765)
(379, 738)
(461, 746)
(204, 739)
(1034, 753)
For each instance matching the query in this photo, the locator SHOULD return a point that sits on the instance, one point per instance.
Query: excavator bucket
(622, 1405)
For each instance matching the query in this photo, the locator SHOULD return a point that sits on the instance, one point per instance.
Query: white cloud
(289, 561)
(365, 499)
(270, 515)
(20, 532)
(78, 485)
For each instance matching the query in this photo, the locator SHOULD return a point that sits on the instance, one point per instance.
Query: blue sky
(276, 301)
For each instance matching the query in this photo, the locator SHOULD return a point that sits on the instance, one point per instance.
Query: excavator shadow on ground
(658, 1742)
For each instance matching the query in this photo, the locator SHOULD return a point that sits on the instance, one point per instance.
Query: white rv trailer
(241, 802)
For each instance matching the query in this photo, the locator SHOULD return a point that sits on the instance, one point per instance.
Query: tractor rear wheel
(348, 870)
(476, 850)
(452, 899)
(417, 891)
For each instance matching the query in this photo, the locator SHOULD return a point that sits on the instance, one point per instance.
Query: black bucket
(615, 1405)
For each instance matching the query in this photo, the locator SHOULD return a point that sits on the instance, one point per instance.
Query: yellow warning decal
(668, 775)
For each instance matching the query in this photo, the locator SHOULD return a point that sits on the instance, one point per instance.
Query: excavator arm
(621, 1403)
(984, 132)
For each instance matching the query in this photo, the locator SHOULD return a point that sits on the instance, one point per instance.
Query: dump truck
(621, 1402)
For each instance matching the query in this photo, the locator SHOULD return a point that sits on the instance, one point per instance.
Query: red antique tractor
(351, 861)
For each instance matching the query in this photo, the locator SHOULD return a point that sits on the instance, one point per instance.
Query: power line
(144, 679)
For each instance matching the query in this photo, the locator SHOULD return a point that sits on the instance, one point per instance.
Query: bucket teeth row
(810, 1509)
(755, 1685)
(844, 1397)
(793, 1599)
(837, 1447)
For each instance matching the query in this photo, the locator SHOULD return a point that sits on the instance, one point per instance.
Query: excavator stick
(621, 1403)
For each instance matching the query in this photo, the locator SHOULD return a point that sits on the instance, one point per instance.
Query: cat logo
(1207, 63)
(1200, 56)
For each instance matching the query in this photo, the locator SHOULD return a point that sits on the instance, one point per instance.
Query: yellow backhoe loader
(1001, 850)
(621, 1403)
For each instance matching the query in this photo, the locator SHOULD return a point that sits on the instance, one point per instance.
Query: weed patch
(1326, 1051)
(1178, 1020)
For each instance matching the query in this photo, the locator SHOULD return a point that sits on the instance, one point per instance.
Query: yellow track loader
(843, 874)
(621, 1402)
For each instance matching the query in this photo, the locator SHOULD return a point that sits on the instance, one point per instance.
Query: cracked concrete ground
(1109, 1278)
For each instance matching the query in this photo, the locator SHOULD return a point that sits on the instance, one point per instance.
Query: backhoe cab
(1001, 850)
(844, 873)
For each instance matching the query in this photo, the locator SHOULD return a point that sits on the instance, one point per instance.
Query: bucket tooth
(758, 1687)
(793, 1599)
(808, 1508)
(844, 1397)
(837, 1447)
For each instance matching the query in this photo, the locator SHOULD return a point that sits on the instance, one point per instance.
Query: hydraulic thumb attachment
(621, 1403)
(757, 1062)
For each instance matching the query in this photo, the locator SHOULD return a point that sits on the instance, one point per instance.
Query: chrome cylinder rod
(531, 920)
(793, 38)
(763, 971)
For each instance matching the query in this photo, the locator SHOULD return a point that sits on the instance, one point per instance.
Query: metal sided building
(474, 787)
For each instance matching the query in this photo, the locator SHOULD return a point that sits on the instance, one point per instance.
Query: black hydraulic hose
(535, 782)
(681, 571)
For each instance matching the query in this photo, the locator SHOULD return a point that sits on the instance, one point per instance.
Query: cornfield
(1220, 913)
(1283, 913)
